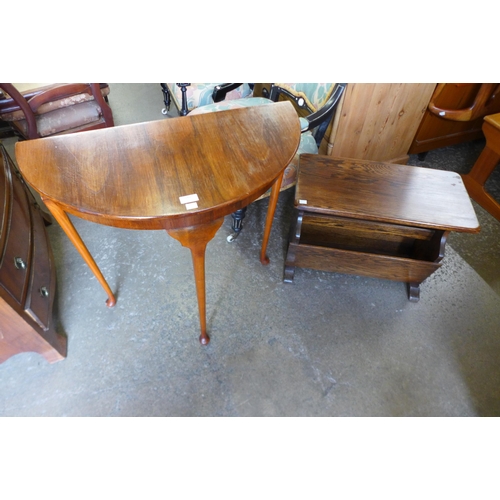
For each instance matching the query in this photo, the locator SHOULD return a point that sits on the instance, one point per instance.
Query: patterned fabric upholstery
(41, 111)
(314, 94)
(17, 114)
(66, 119)
(200, 94)
(307, 141)
(224, 105)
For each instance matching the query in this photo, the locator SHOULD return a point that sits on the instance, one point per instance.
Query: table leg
(68, 227)
(196, 239)
(273, 201)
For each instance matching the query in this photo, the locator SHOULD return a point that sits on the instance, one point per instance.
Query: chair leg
(184, 105)
(238, 217)
(166, 98)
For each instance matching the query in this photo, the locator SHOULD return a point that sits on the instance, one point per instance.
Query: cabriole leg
(67, 226)
(271, 209)
(196, 239)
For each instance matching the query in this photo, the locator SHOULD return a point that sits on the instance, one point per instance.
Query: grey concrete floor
(327, 345)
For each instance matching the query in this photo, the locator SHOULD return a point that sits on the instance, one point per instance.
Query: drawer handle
(44, 292)
(19, 263)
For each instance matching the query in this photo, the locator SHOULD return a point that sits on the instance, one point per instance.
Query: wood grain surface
(385, 192)
(375, 219)
(378, 121)
(181, 174)
(134, 175)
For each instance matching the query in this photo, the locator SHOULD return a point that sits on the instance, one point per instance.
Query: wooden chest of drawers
(27, 273)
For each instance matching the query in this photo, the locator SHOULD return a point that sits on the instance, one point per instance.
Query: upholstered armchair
(315, 104)
(188, 96)
(55, 109)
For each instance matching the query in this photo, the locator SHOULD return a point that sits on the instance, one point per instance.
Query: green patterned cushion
(200, 94)
(315, 94)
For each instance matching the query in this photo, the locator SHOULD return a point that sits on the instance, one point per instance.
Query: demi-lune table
(182, 174)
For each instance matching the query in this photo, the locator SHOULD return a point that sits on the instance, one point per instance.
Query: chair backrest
(315, 95)
(29, 110)
(315, 102)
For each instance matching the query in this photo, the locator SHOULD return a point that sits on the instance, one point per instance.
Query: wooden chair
(480, 107)
(489, 158)
(55, 109)
(455, 115)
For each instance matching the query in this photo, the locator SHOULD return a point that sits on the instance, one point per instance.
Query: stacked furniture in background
(27, 273)
(58, 108)
(378, 121)
(455, 115)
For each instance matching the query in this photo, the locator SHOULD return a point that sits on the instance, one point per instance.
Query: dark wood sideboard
(27, 272)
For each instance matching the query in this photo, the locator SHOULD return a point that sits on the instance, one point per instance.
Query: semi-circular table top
(168, 173)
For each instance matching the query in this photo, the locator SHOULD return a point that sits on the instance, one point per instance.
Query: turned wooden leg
(68, 227)
(273, 201)
(196, 239)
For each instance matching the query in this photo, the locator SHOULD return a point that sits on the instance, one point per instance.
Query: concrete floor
(328, 345)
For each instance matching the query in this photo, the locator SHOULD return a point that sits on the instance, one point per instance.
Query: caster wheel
(232, 237)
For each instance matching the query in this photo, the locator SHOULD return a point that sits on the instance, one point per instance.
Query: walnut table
(375, 219)
(180, 174)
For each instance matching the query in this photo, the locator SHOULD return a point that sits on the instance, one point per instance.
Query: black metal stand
(167, 98)
(184, 107)
(238, 217)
